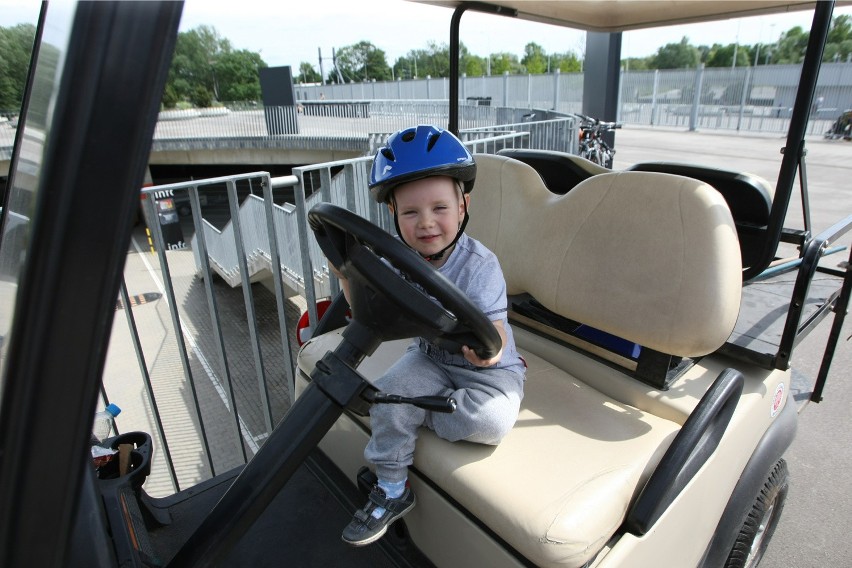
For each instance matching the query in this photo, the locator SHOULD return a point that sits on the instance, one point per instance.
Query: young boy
(425, 175)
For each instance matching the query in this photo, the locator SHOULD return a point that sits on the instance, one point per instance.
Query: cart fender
(769, 450)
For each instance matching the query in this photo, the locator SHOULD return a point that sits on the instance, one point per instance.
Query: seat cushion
(560, 483)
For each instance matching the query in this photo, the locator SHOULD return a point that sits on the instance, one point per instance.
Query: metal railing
(243, 238)
(323, 119)
(755, 98)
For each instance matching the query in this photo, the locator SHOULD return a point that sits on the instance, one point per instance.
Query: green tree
(755, 54)
(438, 59)
(361, 62)
(841, 29)
(204, 60)
(201, 97)
(636, 63)
(237, 75)
(677, 55)
(408, 66)
(474, 66)
(434, 61)
(170, 97)
(838, 51)
(503, 62)
(16, 46)
(723, 56)
(535, 59)
(193, 64)
(567, 62)
(307, 74)
(790, 47)
(839, 44)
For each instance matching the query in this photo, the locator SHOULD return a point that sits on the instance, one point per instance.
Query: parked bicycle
(593, 146)
(841, 128)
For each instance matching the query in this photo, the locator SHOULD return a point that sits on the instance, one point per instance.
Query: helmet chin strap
(440, 254)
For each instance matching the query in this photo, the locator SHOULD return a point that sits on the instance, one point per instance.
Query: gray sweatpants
(488, 401)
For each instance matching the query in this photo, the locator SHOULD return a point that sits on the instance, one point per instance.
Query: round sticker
(777, 400)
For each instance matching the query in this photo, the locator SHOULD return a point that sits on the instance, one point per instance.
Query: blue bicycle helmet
(416, 153)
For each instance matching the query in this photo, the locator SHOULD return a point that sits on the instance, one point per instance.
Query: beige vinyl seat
(649, 257)
(749, 197)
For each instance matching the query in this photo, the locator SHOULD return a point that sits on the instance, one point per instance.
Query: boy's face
(429, 212)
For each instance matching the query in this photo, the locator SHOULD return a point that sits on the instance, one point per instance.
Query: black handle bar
(433, 403)
(591, 122)
(600, 126)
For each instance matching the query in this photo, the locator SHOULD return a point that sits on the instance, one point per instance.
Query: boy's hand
(344, 282)
(473, 358)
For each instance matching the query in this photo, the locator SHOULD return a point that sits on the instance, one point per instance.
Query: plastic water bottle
(104, 421)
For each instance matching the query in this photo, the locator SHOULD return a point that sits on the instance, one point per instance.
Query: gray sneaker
(364, 528)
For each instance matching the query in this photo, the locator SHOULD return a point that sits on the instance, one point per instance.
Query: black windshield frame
(110, 82)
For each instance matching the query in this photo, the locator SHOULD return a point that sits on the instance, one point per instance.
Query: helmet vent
(388, 153)
(408, 135)
(432, 141)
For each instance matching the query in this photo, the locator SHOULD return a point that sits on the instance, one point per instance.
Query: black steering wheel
(391, 306)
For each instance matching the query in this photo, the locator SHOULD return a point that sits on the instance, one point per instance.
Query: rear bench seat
(648, 257)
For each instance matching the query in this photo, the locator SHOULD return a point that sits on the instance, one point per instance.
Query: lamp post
(212, 64)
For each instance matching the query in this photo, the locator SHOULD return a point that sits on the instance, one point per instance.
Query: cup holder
(138, 462)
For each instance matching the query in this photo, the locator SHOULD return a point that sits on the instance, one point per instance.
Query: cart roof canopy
(624, 15)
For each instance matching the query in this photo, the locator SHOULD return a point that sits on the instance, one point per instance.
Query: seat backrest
(748, 196)
(651, 258)
(560, 171)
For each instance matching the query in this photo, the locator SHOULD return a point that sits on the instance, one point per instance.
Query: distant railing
(327, 119)
(752, 98)
(8, 127)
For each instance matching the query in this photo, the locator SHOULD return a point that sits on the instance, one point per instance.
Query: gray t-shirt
(476, 271)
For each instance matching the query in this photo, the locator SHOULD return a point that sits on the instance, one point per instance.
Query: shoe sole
(384, 530)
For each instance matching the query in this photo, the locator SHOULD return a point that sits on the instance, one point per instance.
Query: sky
(288, 33)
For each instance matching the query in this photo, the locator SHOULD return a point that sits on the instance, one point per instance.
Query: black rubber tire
(761, 521)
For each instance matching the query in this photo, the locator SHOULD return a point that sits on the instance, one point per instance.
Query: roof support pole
(795, 145)
(602, 78)
(455, 22)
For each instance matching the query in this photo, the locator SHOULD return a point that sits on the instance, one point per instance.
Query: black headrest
(559, 171)
(747, 195)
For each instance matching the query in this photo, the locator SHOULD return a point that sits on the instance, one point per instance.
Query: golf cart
(653, 425)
